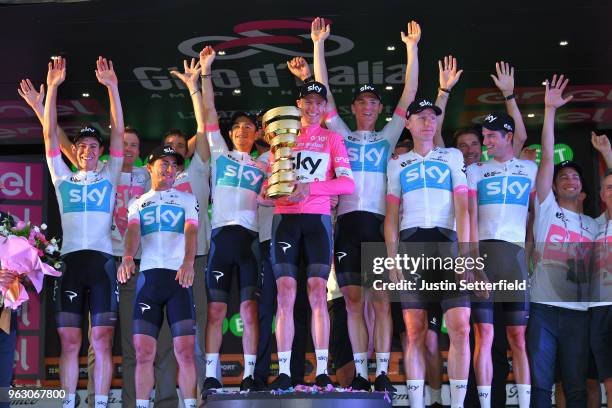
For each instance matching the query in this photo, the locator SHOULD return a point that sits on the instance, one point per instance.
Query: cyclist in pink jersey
(302, 222)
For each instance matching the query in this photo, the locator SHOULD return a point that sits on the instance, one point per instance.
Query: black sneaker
(282, 382)
(251, 384)
(211, 384)
(323, 381)
(436, 405)
(383, 383)
(361, 384)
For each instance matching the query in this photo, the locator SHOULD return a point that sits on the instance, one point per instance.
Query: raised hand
(413, 34)
(299, 67)
(106, 73)
(318, 30)
(601, 143)
(529, 153)
(191, 74)
(504, 80)
(553, 97)
(57, 72)
(207, 56)
(34, 99)
(448, 72)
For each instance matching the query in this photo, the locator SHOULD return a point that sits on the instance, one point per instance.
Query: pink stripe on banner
(472, 193)
(54, 152)
(214, 127)
(331, 114)
(460, 190)
(192, 222)
(116, 153)
(400, 112)
(133, 221)
(393, 199)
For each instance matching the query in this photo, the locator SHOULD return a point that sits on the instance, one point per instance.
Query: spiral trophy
(281, 126)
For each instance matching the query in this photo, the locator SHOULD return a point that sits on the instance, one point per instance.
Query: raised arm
(505, 83)
(411, 80)
(55, 76)
(207, 56)
(448, 77)
(35, 101)
(553, 99)
(319, 31)
(107, 77)
(299, 67)
(601, 143)
(197, 143)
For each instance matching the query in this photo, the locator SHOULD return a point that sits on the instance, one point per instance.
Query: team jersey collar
(434, 149)
(307, 130)
(244, 156)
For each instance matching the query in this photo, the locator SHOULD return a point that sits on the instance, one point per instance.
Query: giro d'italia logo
(251, 39)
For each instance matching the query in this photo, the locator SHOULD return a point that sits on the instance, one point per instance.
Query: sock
(142, 403)
(458, 389)
(190, 402)
(212, 361)
(524, 395)
(382, 363)
(361, 364)
(68, 402)
(322, 355)
(101, 401)
(249, 365)
(415, 393)
(435, 395)
(284, 362)
(484, 395)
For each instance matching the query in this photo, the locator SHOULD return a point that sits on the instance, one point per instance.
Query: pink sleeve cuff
(212, 127)
(472, 193)
(400, 112)
(331, 114)
(54, 152)
(116, 153)
(191, 221)
(460, 189)
(532, 195)
(134, 221)
(393, 199)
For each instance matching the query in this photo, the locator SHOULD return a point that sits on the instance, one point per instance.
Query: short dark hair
(467, 131)
(175, 132)
(130, 129)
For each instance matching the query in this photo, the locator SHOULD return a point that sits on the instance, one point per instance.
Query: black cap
(419, 105)
(87, 131)
(248, 115)
(367, 88)
(313, 87)
(165, 151)
(572, 165)
(499, 121)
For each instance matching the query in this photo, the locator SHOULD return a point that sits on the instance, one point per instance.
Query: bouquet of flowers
(25, 250)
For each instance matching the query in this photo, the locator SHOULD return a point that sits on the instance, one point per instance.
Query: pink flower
(20, 225)
(40, 252)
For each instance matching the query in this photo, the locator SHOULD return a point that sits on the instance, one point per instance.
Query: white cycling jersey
(265, 214)
(195, 179)
(557, 232)
(236, 182)
(368, 153)
(424, 186)
(86, 201)
(503, 191)
(602, 278)
(162, 217)
(131, 185)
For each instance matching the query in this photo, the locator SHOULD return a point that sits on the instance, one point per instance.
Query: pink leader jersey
(318, 156)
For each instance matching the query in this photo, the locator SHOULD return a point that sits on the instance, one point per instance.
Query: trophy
(281, 126)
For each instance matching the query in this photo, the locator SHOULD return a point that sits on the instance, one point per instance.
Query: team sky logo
(249, 39)
(231, 174)
(310, 166)
(87, 198)
(367, 88)
(428, 175)
(370, 157)
(314, 87)
(504, 190)
(424, 103)
(162, 218)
